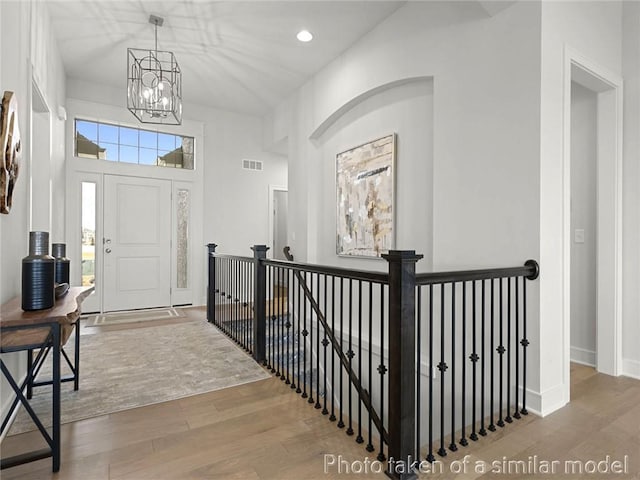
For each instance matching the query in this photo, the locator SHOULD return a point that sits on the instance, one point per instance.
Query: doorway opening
(592, 212)
(278, 213)
(584, 228)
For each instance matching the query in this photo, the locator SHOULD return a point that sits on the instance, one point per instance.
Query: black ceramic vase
(59, 252)
(38, 274)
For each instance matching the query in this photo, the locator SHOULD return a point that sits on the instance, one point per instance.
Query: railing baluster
(430, 456)
(287, 325)
(525, 343)
(382, 369)
(332, 417)
(350, 355)
(305, 332)
(325, 344)
(508, 418)
(241, 296)
(341, 421)
(474, 359)
(483, 337)
(442, 366)
(500, 351)
(247, 303)
(225, 289)
(418, 365)
(370, 447)
(359, 438)
(280, 314)
(235, 300)
(452, 446)
(299, 332)
(311, 344)
(291, 309)
(463, 438)
(270, 325)
(318, 406)
(492, 427)
(516, 412)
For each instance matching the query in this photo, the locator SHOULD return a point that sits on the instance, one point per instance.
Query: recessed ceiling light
(304, 36)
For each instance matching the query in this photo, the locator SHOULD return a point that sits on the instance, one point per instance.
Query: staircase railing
(395, 357)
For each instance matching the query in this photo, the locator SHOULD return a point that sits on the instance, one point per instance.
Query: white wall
(631, 198)
(583, 217)
(485, 130)
(236, 201)
(28, 50)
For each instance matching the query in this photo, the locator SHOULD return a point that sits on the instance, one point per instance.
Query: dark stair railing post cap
(211, 282)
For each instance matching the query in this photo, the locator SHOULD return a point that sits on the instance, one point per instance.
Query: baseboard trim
(631, 368)
(583, 356)
(547, 402)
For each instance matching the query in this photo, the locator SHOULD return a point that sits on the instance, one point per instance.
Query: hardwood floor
(603, 419)
(264, 431)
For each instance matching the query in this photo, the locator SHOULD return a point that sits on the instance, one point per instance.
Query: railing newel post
(259, 301)
(402, 363)
(211, 285)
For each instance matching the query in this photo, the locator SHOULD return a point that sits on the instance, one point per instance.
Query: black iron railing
(471, 326)
(400, 361)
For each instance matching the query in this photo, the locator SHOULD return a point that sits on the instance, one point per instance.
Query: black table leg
(30, 369)
(56, 399)
(76, 377)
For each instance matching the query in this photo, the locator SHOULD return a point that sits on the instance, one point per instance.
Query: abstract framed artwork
(365, 190)
(10, 148)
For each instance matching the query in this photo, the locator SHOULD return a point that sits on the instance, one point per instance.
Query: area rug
(125, 369)
(120, 318)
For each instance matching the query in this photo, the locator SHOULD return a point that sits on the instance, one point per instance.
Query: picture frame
(365, 198)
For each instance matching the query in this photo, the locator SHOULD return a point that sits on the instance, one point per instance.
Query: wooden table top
(66, 309)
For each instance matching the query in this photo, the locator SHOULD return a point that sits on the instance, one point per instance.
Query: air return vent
(252, 164)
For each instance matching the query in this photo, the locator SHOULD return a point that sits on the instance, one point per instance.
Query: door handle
(108, 250)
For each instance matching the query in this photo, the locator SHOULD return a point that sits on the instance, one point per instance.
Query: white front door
(137, 243)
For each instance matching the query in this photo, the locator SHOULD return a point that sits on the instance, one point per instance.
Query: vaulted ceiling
(235, 55)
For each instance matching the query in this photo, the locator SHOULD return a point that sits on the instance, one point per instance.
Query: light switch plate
(579, 235)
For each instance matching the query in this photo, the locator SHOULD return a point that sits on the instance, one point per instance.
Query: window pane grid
(121, 144)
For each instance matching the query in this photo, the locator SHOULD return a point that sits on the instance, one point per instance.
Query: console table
(47, 331)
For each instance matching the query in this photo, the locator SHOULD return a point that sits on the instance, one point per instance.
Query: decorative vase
(38, 274)
(59, 251)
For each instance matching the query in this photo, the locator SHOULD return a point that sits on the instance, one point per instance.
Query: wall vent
(252, 164)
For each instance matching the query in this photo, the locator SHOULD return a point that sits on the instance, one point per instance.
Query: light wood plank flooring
(264, 431)
(602, 419)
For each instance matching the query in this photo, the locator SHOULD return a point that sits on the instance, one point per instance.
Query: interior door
(137, 243)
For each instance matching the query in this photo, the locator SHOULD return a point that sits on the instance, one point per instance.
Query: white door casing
(609, 89)
(137, 243)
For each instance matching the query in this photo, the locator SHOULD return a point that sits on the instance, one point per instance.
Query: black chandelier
(154, 83)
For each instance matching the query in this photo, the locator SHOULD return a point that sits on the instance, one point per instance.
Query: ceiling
(236, 55)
